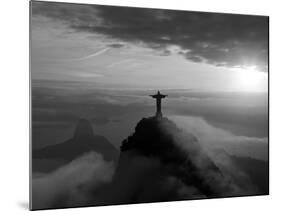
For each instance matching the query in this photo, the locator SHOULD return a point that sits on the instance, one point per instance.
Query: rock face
(82, 142)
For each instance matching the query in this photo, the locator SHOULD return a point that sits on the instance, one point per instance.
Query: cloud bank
(219, 39)
(158, 162)
(71, 184)
(212, 138)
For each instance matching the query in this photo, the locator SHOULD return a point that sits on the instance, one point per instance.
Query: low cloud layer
(71, 184)
(219, 39)
(213, 138)
(56, 110)
(179, 169)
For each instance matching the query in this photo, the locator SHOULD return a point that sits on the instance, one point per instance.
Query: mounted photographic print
(135, 105)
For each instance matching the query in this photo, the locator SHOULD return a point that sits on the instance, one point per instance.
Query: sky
(102, 63)
(137, 48)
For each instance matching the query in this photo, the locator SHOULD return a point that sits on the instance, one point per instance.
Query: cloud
(94, 54)
(100, 120)
(241, 113)
(150, 179)
(116, 45)
(212, 138)
(220, 39)
(70, 184)
(121, 62)
(60, 105)
(97, 53)
(228, 167)
(230, 179)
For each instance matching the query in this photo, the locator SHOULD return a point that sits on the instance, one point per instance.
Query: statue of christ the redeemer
(158, 98)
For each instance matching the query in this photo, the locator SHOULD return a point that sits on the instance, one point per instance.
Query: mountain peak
(152, 136)
(83, 130)
(179, 155)
(82, 142)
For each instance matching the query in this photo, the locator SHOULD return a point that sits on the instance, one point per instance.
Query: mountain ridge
(83, 141)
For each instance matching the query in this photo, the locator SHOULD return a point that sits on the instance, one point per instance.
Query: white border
(14, 82)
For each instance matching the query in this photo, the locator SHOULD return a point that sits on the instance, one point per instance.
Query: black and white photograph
(137, 105)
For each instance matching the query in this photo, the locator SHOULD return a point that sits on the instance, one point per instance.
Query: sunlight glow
(250, 79)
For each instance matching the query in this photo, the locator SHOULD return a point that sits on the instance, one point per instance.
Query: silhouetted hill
(84, 140)
(161, 138)
(159, 162)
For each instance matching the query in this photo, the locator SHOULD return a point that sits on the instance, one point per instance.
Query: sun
(250, 79)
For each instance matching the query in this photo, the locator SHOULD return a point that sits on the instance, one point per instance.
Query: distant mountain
(84, 140)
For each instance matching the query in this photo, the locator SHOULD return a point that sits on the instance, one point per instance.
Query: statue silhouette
(158, 98)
